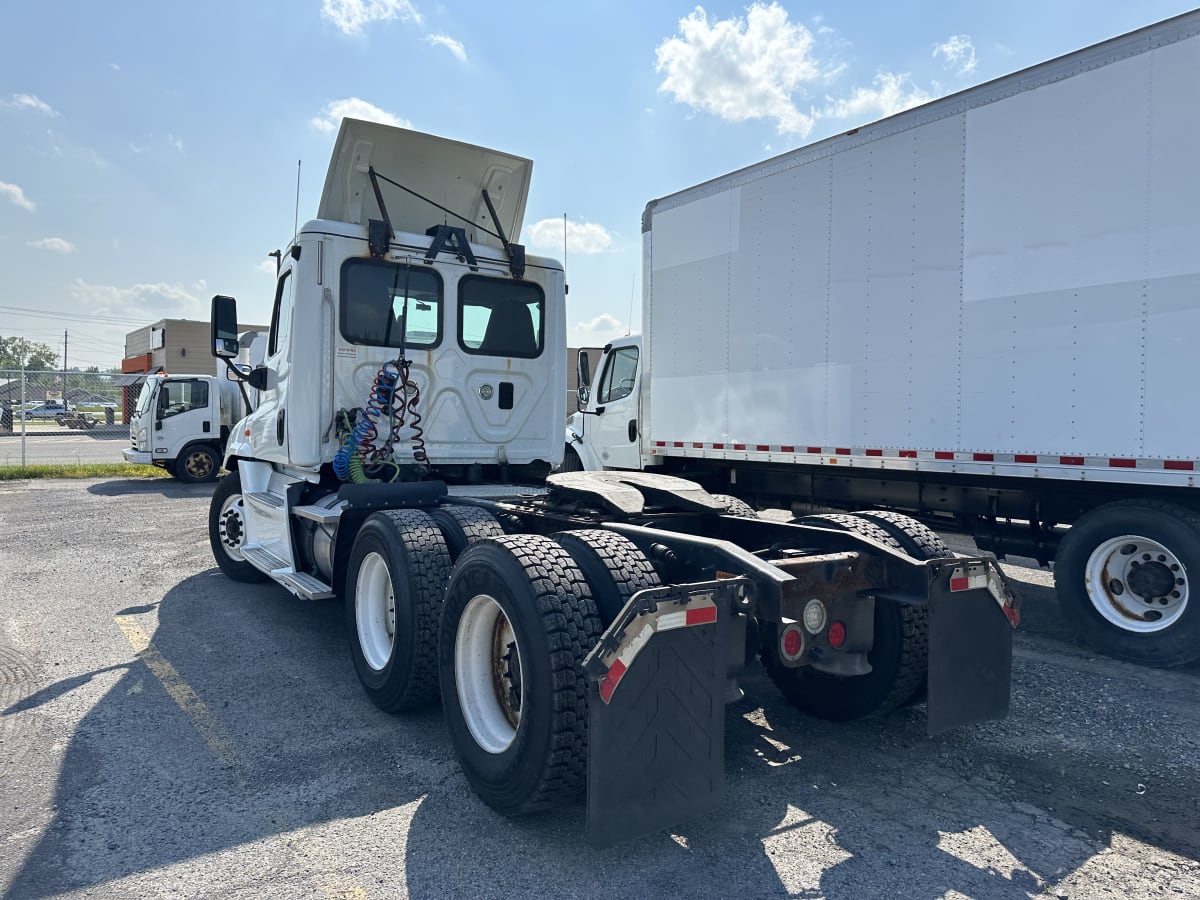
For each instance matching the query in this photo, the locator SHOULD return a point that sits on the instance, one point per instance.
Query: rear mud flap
(658, 678)
(971, 619)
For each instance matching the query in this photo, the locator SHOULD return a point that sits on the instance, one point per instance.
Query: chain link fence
(63, 417)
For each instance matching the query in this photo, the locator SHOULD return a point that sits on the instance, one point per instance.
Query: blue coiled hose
(347, 462)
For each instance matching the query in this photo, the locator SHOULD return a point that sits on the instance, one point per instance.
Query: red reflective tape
(1025, 458)
(842, 451)
(1070, 460)
(943, 454)
(660, 443)
(874, 453)
(787, 449)
(983, 457)
(739, 446)
(908, 454)
(1123, 463)
(1179, 465)
(718, 446)
(678, 443)
(609, 683)
(702, 615)
(960, 584)
(696, 445)
(763, 448)
(814, 449)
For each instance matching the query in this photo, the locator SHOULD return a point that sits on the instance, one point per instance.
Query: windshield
(143, 400)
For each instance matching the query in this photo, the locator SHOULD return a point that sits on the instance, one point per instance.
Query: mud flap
(971, 619)
(656, 746)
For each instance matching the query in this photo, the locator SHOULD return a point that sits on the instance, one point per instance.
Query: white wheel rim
(231, 527)
(375, 611)
(1137, 584)
(487, 674)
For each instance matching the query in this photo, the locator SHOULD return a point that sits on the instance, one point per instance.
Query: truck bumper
(137, 456)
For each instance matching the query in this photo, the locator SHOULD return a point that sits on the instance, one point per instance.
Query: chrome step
(263, 499)
(264, 559)
(304, 585)
(319, 514)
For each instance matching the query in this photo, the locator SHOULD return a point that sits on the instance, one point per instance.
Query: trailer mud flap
(971, 619)
(658, 678)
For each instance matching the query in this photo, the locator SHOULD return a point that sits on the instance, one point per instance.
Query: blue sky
(149, 149)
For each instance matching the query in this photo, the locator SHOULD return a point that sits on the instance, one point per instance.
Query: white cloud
(892, 93)
(175, 142)
(56, 244)
(582, 237)
(740, 69)
(353, 108)
(958, 54)
(444, 40)
(30, 102)
(351, 15)
(267, 267)
(140, 301)
(597, 332)
(16, 195)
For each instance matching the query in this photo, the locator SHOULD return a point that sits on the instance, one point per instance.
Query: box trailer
(981, 311)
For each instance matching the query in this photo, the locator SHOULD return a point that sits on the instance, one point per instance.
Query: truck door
(616, 426)
(269, 426)
(185, 413)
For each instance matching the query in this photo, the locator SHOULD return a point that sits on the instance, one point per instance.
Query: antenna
(632, 294)
(296, 219)
(564, 260)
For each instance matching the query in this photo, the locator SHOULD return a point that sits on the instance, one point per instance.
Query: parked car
(50, 409)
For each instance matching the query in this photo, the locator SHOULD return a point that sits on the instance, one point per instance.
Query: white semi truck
(583, 631)
(981, 311)
(181, 423)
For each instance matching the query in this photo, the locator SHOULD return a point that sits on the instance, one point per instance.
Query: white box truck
(583, 631)
(981, 311)
(181, 423)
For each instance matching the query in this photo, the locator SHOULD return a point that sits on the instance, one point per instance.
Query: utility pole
(64, 400)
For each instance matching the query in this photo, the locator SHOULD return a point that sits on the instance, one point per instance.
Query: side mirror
(257, 378)
(224, 328)
(583, 369)
(584, 393)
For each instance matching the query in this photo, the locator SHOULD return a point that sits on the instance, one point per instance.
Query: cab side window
(281, 314)
(620, 374)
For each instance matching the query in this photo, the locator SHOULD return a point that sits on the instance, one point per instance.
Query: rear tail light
(791, 643)
(837, 635)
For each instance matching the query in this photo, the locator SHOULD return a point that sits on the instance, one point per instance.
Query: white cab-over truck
(181, 423)
(982, 311)
(583, 631)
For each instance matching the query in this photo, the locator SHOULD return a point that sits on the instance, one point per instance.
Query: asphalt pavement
(165, 732)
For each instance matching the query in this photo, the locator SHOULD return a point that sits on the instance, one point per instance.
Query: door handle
(279, 427)
(633, 431)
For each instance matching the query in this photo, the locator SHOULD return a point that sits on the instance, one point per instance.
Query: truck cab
(606, 431)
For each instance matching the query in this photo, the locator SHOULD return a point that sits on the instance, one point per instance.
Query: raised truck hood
(450, 173)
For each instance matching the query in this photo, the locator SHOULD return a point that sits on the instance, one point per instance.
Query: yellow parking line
(218, 740)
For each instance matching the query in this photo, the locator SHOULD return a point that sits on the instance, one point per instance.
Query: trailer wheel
(736, 507)
(518, 621)
(915, 538)
(197, 463)
(463, 526)
(227, 530)
(1124, 573)
(898, 658)
(396, 574)
(613, 565)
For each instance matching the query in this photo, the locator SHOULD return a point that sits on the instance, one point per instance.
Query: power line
(75, 317)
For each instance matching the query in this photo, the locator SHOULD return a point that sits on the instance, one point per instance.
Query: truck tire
(227, 530)
(463, 526)
(613, 565)
(898, 658)
(915, 538)
(517, 623)
(735, 507)
(1123, 574)
(197, 463)
(395, 578)
(571, 461)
